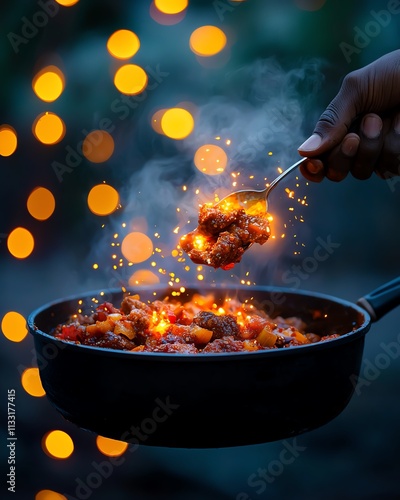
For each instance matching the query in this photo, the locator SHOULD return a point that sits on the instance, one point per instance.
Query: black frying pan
(210, 400)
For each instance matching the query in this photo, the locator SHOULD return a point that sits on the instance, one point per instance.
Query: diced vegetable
(100, 327)
(266, 338)
(300, 337)
(200, 335)
(124, 328)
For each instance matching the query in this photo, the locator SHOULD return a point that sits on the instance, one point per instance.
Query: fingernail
(314, 167)
(372, 126)
(311, 143)
(350, 146)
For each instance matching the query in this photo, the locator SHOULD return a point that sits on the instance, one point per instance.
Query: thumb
(333, 124)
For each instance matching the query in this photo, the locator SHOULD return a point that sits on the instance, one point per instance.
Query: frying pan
(210, 400)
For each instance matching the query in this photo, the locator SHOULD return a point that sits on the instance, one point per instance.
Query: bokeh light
(171, 6)
(58, 444)
(13, 326)
(49, 495)
(166, 19)
(143, 277)
(48, 84)
(20, 243)
(111, 447)
(41, 203)
(177, 123)
(123, 44)
(67, 3)
(30, 380)
(207, 41)
(210, 159)
(103, 199)
(48, 128)
(8, 140)
(136, 247)
(156, 120)
(130, 79)
(98, 146)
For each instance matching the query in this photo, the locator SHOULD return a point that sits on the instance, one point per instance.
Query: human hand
(359, 132)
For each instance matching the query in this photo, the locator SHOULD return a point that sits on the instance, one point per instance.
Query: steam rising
(258, 119)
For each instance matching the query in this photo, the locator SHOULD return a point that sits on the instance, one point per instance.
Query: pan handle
(381, 300)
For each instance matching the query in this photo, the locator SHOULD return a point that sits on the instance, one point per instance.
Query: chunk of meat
(222, 237)
(221, 326)
(111, 341)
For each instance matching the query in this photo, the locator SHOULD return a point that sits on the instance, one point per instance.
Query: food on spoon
(222, 236)
(198, 326)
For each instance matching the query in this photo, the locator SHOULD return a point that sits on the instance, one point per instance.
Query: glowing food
(222, 236)
(194, 327)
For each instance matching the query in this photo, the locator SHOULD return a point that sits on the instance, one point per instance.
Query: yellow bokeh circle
(41, 203)
(103, 199)
(111, 447)
(171, 6)
(136, 247)
(98, 146)
(207, 41)
(67, 3)
(8, 140)
(58, 444)
(13, 326)
(20, 243)
(30, 380)
(177, 123)
(48, 84)
(210, 159)
(48, 128)
(123, 44)
(143, 277)
(130, 79)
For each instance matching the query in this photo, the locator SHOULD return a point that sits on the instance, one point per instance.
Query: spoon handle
(284, 174)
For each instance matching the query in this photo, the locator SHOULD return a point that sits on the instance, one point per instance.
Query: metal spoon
(254, 201)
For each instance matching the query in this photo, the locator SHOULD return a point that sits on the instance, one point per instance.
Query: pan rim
(361, 330)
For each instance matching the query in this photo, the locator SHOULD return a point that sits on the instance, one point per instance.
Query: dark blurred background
(283, 63)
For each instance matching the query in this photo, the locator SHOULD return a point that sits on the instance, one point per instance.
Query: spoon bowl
(254, 201)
